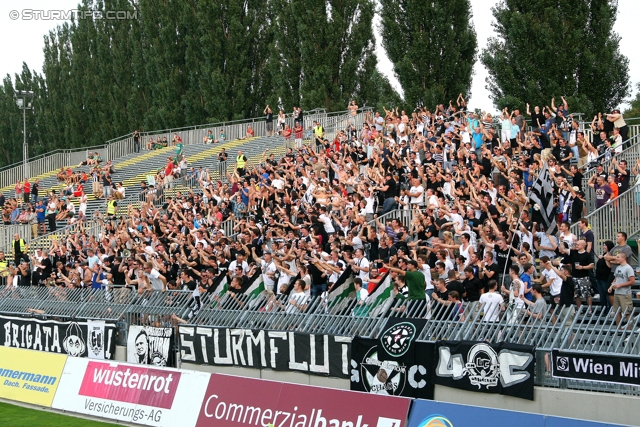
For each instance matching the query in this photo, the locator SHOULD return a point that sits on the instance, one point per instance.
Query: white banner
(95, 339)
(131, 393)
(147, 345)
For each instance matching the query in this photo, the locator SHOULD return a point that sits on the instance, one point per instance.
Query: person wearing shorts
(624, 278)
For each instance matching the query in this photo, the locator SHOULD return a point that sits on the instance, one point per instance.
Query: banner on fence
(82, 338)
(148, 345)
(395, 364)
(489, 368)
(131, 393)
(30, 376)
(426, 413)
(260, 349)
(228, 404)
(606, 368)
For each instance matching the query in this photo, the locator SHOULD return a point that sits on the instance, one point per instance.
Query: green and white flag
(256, 287)
(219, 288)
(381, 296)
(344, 288)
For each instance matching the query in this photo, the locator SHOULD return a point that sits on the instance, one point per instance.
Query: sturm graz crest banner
(147, 345)
(489, 368)
(395, 364)
(83, 338)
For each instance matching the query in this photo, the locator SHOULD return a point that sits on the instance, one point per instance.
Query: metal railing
(621, 214)
(631, 153)
(603, 331)
(124, 145)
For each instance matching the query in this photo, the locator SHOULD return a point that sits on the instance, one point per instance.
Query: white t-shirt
(154, 279)
(556, 285)
(419, 200)
(362, 263)
(278, 183)
(379, 122)
(492, 302)
(326, 222)
(233, 264)
(426, 270)
(268, 267)
(519, 285)
(299, 299)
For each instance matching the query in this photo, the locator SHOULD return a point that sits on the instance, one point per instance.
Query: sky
(23, 39)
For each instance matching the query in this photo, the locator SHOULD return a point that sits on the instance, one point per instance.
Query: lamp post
(23, 101)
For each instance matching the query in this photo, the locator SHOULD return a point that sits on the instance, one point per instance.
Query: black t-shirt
(502, 259)
(454, 285)
(269, 118)
(472, 287)
(563, 152)
(577, 180)
(567, 292)
(316, 275)
(496, 270)
(118, 277)
(392, 190)
(582, 259)
(191, 285)
(47, 267)
(623, 182)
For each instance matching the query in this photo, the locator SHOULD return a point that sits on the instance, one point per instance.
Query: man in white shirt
(239, 261)
(325, 219)
(297, 300)
(549, 279)
(566, 235)
(157, 281)
(268, 267)
(416, 192)
(378, 121)
(492, 303)
(360, 265)
(426, 270)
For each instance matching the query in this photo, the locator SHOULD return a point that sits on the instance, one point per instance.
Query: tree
(337, 51)
(634, 108)
(551, 48)
(432, 47)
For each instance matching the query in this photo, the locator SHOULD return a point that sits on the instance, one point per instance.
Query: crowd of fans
(304, 219)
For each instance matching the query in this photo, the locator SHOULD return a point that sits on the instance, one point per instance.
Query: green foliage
(551, 48)
(634, 110)
(186, 62)
(432, 47)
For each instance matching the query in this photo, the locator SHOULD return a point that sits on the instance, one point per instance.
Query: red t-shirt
(27, 187)
(169, 169)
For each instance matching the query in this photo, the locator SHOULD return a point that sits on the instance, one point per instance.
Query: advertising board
(30, 376)
(427, 413)
(606, 368)
(131, 393)
(235, 401)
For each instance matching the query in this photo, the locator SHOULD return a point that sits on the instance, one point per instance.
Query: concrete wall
(604, 407)
(268, 374)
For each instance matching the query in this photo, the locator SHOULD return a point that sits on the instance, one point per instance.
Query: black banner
(595, 367)
(325, 355)
(489, 368)
(395, 364)
(83, 338)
